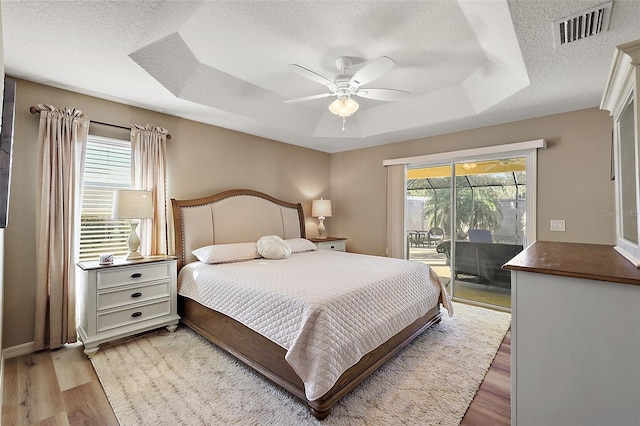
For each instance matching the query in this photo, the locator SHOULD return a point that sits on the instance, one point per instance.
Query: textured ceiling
(466, 63)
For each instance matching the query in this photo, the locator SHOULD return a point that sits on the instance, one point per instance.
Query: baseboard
(14, 351)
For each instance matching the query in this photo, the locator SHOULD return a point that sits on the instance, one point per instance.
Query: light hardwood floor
(61, 388)
(54, 388)
(492, 403)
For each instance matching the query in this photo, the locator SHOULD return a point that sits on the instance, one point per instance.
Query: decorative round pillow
(273, 247)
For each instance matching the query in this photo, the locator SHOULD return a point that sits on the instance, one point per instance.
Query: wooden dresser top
(589, 261)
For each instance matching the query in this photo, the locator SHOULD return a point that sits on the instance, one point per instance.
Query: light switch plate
(557, 225)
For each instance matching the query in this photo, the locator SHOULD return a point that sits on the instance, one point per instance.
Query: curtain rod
(35, 110)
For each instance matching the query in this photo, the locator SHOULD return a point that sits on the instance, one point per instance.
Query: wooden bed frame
(255, 350)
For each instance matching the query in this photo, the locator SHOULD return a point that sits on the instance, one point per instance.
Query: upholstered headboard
(235, 216)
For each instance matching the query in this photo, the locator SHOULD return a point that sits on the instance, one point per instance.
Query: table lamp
(132, 204)
(321, 209)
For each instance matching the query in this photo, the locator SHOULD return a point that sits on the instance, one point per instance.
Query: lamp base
(134, 255)
(321, 229)
(134, 243)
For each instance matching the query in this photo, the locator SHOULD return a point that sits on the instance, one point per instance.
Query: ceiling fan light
(343, 107)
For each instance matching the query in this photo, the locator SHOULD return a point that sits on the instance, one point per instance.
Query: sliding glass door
(466, 219)
(428, 217)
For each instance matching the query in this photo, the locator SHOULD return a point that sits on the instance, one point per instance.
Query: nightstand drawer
(132, 275)
(114, 298)
(333, 245)
(133, 315)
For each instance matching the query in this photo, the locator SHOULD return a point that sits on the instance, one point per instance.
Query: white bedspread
(327, 309)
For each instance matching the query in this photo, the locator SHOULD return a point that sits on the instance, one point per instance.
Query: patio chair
(413, 238)
(435, 235)
(421, 238)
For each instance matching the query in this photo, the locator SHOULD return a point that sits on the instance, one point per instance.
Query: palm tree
(486, 214)
(475, 209)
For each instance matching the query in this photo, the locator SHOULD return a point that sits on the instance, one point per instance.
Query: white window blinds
(107, 167)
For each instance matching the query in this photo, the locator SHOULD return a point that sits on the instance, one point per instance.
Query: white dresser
(330, 243)
(125, 298)
(575, 339)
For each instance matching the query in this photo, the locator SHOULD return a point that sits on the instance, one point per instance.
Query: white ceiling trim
(171, 61)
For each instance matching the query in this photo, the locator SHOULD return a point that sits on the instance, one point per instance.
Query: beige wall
(201, 160)
(573, 178)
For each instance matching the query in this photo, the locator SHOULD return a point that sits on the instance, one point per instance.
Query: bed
(285, 344)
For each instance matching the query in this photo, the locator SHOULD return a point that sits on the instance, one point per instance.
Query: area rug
(163, 378)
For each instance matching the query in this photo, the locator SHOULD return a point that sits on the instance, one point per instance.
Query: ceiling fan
(344, 87)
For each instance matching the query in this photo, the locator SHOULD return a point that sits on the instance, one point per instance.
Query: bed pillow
(273, 247)
(227, 253)
(300, 245)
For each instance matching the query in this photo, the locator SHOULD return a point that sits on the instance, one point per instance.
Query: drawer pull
(138, 294)
(136, 314)
(136, 275)
(333, 247)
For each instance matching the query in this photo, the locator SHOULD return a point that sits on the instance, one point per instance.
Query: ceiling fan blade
(388, 95)
(372, 70)
(311, 75)
(308, 98)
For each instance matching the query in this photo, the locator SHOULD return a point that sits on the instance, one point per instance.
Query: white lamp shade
(321, 208)
(343, 107)
(132, 204)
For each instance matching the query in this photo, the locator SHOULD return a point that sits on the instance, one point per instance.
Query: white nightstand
(125, 298)
(330, 243)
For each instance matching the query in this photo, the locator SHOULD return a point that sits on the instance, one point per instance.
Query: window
(107, 167)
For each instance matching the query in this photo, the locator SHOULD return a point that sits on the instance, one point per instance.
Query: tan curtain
(62, 143)
(148, 172)
(396, 239)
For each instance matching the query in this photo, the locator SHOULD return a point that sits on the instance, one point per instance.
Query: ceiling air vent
(582, 25)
